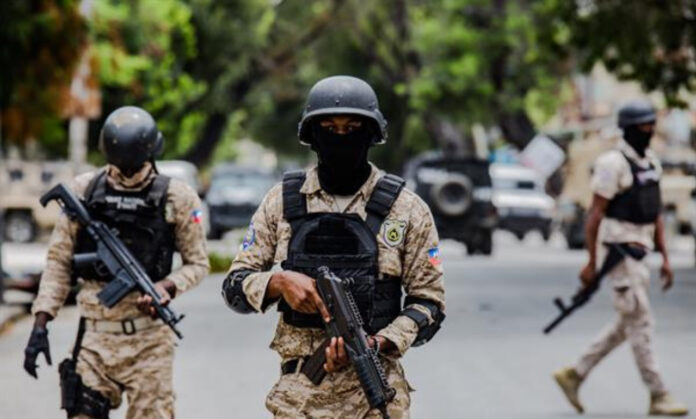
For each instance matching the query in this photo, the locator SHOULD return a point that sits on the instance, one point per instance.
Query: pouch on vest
(348, 246)
(140, 220)
(641, 203)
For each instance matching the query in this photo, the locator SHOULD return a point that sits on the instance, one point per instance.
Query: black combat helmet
(129, 138)
(636, 113)
(342, 95)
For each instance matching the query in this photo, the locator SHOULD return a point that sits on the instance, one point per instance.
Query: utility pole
(84, 102)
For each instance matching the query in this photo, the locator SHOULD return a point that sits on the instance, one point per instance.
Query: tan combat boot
(569, 381)
(665, 405)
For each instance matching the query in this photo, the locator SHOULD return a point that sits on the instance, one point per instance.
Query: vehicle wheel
(452, 197)
(214, 233)
(470, 248)
(575, 235)
(546, 234)
(486, 242)
(520, 236)
(19, 227)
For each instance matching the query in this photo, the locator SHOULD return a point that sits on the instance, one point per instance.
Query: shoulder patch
(249, 238)
(197, 216)
(392, 231)
(434, 256)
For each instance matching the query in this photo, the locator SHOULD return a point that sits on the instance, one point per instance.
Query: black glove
(38, 343)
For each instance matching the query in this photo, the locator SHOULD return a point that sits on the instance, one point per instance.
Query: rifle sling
(78, 340)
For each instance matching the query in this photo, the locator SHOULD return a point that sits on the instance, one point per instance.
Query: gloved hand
(38, 343)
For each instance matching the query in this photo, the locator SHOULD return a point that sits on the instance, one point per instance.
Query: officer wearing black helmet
(626, 209)
(362, 223)
(123, 349)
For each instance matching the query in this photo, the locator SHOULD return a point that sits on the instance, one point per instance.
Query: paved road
(489, 361)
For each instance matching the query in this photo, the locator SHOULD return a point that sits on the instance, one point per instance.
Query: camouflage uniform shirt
(55, 284)
(411, 254)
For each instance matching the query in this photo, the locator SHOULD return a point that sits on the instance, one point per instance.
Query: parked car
(188, 173)
(522, 203)
(21, 185)
(235, 193)
(458, 191)
(181, 170)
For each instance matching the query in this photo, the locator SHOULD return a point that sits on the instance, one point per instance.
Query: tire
(19, 227)
(486, 242)
(452, 197)
(214, 233)
(546, 234)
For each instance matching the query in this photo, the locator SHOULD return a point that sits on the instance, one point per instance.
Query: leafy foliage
(651, 41)
(41, 44)
(214, 71)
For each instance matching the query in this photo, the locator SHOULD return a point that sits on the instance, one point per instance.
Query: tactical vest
(140, 220)
(348, 246)
(641, 203)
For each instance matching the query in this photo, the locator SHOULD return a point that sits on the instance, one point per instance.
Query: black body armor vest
(139, 217)
(641, 203)
(348, 246)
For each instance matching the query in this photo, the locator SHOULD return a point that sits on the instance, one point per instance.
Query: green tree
(651, 41)
(142, 49)
(41, 44)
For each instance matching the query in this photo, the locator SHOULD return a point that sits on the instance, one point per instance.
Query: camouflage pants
(635, 323)
(338, 396)
(139, 364)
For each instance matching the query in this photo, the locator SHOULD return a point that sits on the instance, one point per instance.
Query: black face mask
(637, 138)
(343, 166)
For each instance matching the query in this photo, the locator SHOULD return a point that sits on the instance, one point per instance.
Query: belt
(292, 366)
(127, 327)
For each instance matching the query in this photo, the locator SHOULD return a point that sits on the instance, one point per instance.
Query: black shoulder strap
(93, 184)
(158, 191)
(294, 202)
(383, 197)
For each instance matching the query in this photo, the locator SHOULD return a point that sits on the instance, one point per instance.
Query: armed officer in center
(626, 209)
(122, 349)
(346, 214)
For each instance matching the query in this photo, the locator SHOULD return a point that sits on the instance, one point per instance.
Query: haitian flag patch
(197, 216)
(434, 256)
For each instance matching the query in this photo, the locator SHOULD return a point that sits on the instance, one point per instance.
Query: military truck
(459, 193)
(21, 185)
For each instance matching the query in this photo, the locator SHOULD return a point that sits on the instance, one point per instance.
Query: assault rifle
(617, 253)
(347, 323)
(111, 255)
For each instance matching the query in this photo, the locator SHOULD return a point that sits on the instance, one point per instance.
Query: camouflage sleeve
(258, 249)
(190, 236)
(56, 277)
(606, 174)
(421, 273)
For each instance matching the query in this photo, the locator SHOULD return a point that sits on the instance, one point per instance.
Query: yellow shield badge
(392, 232)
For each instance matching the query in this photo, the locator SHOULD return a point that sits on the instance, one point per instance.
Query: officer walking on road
(346, 214)
(626, 209)
(123, 348)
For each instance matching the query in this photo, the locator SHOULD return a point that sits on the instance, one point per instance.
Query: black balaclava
(637, 138)
(343, 166)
